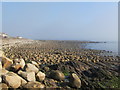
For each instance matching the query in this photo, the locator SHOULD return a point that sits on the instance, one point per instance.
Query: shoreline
(75, 43)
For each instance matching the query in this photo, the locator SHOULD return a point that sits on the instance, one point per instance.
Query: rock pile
(19, 74)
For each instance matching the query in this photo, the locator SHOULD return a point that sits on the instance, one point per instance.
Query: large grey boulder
(31, 68)
(57, 75)
(40, 76)
(29, 76)
(13, 80)
(74, 81)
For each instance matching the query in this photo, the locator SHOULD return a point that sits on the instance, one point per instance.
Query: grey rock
(40, 76)
(74, 81)
(3, 86)
(3, 71)
(13, 80)
(29, 76)
(57, 75)
(20, 62)
(6, 62)
(31, 68)
(35, 63)
(34, 85)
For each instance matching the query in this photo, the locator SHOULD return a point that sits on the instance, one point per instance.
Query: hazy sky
(62, 21)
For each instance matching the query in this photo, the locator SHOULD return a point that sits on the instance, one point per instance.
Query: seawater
(108, 46)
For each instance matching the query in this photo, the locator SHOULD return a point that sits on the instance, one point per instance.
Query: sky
(94, 21)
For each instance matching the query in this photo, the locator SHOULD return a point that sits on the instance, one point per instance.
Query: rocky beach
(28, 64)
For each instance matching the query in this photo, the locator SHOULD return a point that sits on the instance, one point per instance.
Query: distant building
(19, 37)
(4, 35)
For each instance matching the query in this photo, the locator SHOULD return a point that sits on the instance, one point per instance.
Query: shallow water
(108, 46)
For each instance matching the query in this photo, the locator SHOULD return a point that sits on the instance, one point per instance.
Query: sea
(107, 46)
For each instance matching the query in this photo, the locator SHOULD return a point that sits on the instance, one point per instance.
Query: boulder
(0, 71)
(16, 67)
(35, 63)
(31, 68)
(13, 80)
(23, 81)
(51, 83)
(3, 71)
(6, 62)
(15, 60)
(0, 64)
(1, 53)
(29, 76)
(3, 86)
(0, 79)
(57, 75)
(19, 62)
(31, 85)
(40, 76)
(22, 63)
(74, 81)
(46, 69)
